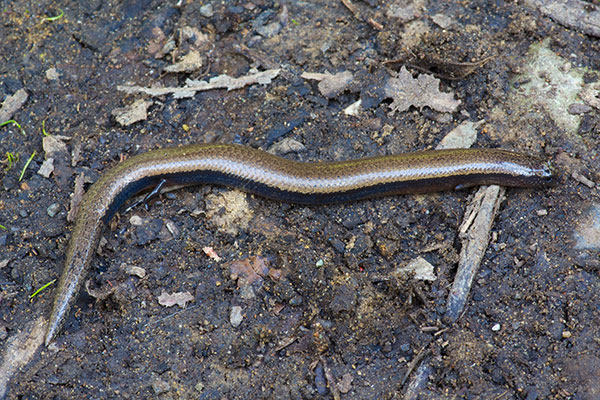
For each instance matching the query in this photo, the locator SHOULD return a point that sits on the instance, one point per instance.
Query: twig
(475, 233)
(169, 316)
(350, 6)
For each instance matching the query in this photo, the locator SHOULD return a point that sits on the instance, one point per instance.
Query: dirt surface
(305, 301)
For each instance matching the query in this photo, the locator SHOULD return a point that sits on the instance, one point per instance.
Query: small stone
(52, 74)
(269, 30)
(134, 270)
(578, 109)
(236, 317)
(496, 327)
(159, 386)
(443, 21)
(207, 10)
(566, 334)
(136, 220)
(296, 300)
(53, 209)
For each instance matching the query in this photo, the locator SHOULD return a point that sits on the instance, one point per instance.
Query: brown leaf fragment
(189, 63)
(12, 103)
(133, 113)
(330, 85)
(211, 253)
(46, 168)
(179, 298)
(344, 385)
(133, 270)
(423, 91)
(275, 274)
(53, 144)
(248, 270)
(193, 86)
(157, 42)
(56, 149)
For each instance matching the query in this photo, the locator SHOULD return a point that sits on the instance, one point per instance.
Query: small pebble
(496, 327)
(136, 220)
(236, 316)
(53, 209)
(207, 10)
(159, 386)
(296, 300)
(578, 109)
(320, 380)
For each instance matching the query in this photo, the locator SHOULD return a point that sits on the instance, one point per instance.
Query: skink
(264, 174)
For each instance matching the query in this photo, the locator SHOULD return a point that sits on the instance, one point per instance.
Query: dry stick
(350, 6)
(414, 363)
(418, 382)
(12, 103)
(475, 234)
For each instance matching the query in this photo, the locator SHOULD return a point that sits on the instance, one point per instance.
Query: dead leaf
(179, 298)
(424, 91)
(12, 103)
(133, 270)
(330, 85)
(248, 270)
(275, 274)
(210, 252)
(418, 268)
(193, 86)
(345, 384)
(52, 145)
(47, 167)
(157, 41)
(189, 63)
(132, 113)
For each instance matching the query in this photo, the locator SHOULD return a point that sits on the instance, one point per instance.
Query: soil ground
(331, 318)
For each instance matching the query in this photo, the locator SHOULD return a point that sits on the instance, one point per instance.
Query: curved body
(264, 174)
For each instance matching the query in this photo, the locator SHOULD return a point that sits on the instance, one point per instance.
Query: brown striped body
(261, 173)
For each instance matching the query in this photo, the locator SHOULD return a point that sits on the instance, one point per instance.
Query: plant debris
(580, 15)
(249, 270)
(189, 63)
(330, 85)
(138, 111)
(423, 91)
(179, 298)
(12, 103)
(193, 86)
(211, 253)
